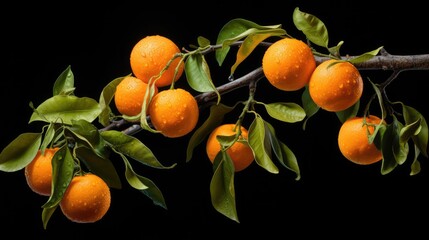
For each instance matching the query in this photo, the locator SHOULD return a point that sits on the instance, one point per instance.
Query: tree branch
(384, 61)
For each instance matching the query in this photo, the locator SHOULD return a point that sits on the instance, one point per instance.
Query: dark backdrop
(333, 197)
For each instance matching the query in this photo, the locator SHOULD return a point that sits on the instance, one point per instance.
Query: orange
(288, 64)
(87, 199)
(240, 153)
(354, 143)
(38, 173)
(174, 112)
(150, 56)
(130, 94)
(335, 87)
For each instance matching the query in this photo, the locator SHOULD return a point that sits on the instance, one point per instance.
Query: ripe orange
(240, 153)
(87, 199)
(288, 64)
(335, 87)
(353, 140)
(130, 94)
(150, 55)
(38, 173)
(174, 112)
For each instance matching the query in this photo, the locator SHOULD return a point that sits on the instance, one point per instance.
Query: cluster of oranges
(334, 85)
(87, 197)
(156, 63)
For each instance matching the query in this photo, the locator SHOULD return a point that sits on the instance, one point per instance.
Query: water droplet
(231, 78)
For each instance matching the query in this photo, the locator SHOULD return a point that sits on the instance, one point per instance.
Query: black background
(333, 197)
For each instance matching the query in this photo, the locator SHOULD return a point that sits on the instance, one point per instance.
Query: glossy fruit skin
(353, 140)
(150, 55)
(38, 173)
(288, 64)
(130, 94)
(87, 199)
(240, 153)
(174, 112)
(335, 87)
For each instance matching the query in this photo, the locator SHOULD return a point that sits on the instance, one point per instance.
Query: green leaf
(64, 85)
(247, 47)
(349, 112)
(106, 97)
(421, 139)
(132, 147)
(101, 166)
(131, 176)
(310, 107)
(198, 74)
(365, 57)
(237, 29)
(286, 112)
(46, 215)
(312, 27)
(400, 148)
(20, 152)
(64, 109)
(217, 113)
(48, 136)
(256, 140)
(222, 188)
(389, 162)
(283, 153)
(415, 166)
(87, 134)
(62, 174)
(203, 42)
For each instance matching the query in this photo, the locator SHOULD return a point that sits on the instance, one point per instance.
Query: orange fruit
(130, 94)
(87, 199)
(354, 143)
(335, 87)
(240, 153)
(288, 64)
(174, 112)
(150, 56)
(38, 173)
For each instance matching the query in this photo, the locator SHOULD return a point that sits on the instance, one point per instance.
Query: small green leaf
(222, 188)
(421, 139)
(132, 147)
(203, 42)
(235, 30)
(365, 57)
(256, 140)
(400, 148)
(217, 113)
(131, 176)
(415, 166)
(313, 28)
(389, 162)
(286, 112)
(153, 192)
(198, 74)
(48, 136)
(20, 152)
(64, 85)
(106, 97)
(349, 112)
(284, 154)
(46, 215)
(99, 165)
(310, 107)
(62, 174)
(64, 109)
(247, 47)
